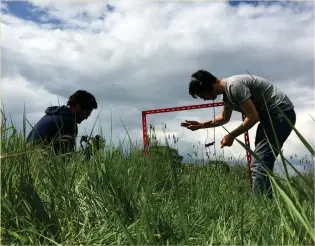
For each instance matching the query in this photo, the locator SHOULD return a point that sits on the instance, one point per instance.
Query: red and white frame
(189, 107)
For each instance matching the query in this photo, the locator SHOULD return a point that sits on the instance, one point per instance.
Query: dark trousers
(267, 149)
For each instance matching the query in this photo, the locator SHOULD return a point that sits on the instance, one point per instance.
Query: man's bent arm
(247, 124)
(219, 120)
(251, 118)
(216, 121)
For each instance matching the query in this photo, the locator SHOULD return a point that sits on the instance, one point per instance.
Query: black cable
(212, 143)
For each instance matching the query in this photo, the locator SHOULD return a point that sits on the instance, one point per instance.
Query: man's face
(208, 95)
(82, 114)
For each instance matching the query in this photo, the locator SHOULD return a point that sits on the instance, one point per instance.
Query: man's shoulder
(56, 118)
(52, 122)
(236, 89)
(245, 81)
(238, 78)
(234, 82)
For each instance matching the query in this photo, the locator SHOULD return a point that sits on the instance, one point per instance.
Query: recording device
(93, 144)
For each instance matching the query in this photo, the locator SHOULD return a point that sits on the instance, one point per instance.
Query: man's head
(81, 104)
(202, 85)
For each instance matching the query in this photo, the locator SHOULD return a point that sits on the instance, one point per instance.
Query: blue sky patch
(27, 11)
(237, 3)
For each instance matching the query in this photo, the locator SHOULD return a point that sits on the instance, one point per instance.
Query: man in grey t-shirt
(256, 98)
(239, 88)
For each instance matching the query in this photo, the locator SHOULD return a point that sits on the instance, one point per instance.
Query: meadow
(121, 197)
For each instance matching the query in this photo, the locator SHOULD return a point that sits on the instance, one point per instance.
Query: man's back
(238, 88)
(56, 124)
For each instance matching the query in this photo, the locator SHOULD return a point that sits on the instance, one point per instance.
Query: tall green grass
(126, 198)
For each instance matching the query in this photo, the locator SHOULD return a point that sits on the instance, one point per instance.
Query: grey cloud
(156, 88)
(153, 71)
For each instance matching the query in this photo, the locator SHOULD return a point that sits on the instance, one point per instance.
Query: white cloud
(141, 55)
(18, 92)
(3, 6)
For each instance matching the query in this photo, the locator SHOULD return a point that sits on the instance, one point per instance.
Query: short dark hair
(84, 98)
(201, 81)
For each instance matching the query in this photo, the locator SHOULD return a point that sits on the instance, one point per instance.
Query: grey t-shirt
(239, 88)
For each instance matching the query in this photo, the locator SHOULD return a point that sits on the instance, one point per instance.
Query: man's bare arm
(251, 119)
(220, 119)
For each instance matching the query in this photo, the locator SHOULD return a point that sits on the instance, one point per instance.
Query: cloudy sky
(135, 56)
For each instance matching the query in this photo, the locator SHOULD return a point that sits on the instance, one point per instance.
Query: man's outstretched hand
(192, 125)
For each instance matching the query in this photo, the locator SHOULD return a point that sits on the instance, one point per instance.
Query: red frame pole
(167, 110)
(190, 107)
(248, 155)
(144, 132)
(182, 108)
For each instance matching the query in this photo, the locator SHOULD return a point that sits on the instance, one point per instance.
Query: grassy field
(124, 198)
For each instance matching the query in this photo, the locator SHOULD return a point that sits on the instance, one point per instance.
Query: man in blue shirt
(251, 95)
(58, 127)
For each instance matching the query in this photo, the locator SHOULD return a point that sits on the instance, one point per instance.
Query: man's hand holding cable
(227, 140)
